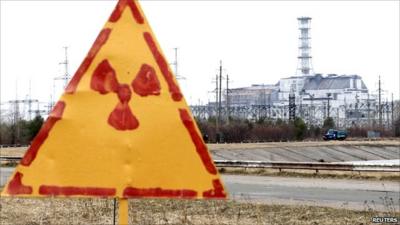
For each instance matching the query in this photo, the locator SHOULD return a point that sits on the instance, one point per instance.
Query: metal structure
(219, 92)
(363, 113)
(292, 101)
(227, 98)
(66, 76)
(304, 67)
(337, 166)
(175, 64)
(292, 107)
(340, 166)
(380, 102)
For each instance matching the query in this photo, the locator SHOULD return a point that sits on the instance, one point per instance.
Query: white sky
(257, 41)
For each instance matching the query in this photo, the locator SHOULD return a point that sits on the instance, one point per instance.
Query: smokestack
(304, 66)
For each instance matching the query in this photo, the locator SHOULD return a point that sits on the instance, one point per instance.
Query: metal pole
(328, 109)
(312, 109)
(345, 112)
(368, 113)
(356, 110)
(16, 112)
(392, 114)
(379, 103)
(387, 114)
(216, 105)
(30, 102)
(176, 62)
(337, 117)
(123, 211)
(220, 90)
(66, 67)
(227, 99)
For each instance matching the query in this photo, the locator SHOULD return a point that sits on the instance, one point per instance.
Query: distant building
(257, 94)
(343, 97)
(314, 97)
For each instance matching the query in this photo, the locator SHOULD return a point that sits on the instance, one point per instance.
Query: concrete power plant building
(345, 98)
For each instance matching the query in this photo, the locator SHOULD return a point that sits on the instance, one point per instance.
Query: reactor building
(309, 95)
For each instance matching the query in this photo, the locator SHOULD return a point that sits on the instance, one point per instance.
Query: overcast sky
(256, 40)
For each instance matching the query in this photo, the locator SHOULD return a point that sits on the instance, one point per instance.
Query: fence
(337, 166)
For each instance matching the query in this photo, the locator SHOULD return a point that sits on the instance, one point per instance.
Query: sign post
(123, 211)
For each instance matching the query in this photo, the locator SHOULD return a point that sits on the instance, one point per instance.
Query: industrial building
(343, 97)
(311, 96)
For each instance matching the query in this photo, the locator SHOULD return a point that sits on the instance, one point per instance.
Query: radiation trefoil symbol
(104, 81)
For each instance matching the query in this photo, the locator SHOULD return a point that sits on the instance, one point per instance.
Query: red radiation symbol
(104, 81)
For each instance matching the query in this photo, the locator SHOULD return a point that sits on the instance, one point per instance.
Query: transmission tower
(66, 75)
(216, 103)
(227, 99)
(175, 63)
(387, 114)
(379, 102)
(29, 101)
(356, 107)
(220, 91)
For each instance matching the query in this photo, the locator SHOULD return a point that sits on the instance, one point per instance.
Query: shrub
(300, 129)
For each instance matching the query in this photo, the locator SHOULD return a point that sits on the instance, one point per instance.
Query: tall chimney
(304, 66)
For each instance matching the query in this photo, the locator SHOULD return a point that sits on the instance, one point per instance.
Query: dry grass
(389, 176)
(100, 211)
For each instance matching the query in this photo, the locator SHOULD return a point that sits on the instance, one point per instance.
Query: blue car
(332, 134)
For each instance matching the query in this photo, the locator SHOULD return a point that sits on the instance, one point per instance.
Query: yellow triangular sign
(122, 128)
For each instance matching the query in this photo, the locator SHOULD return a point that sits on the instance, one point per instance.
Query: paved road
(5, 173)
(353, 194)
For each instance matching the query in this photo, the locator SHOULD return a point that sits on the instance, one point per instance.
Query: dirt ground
(100, 211)
(241, 146)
